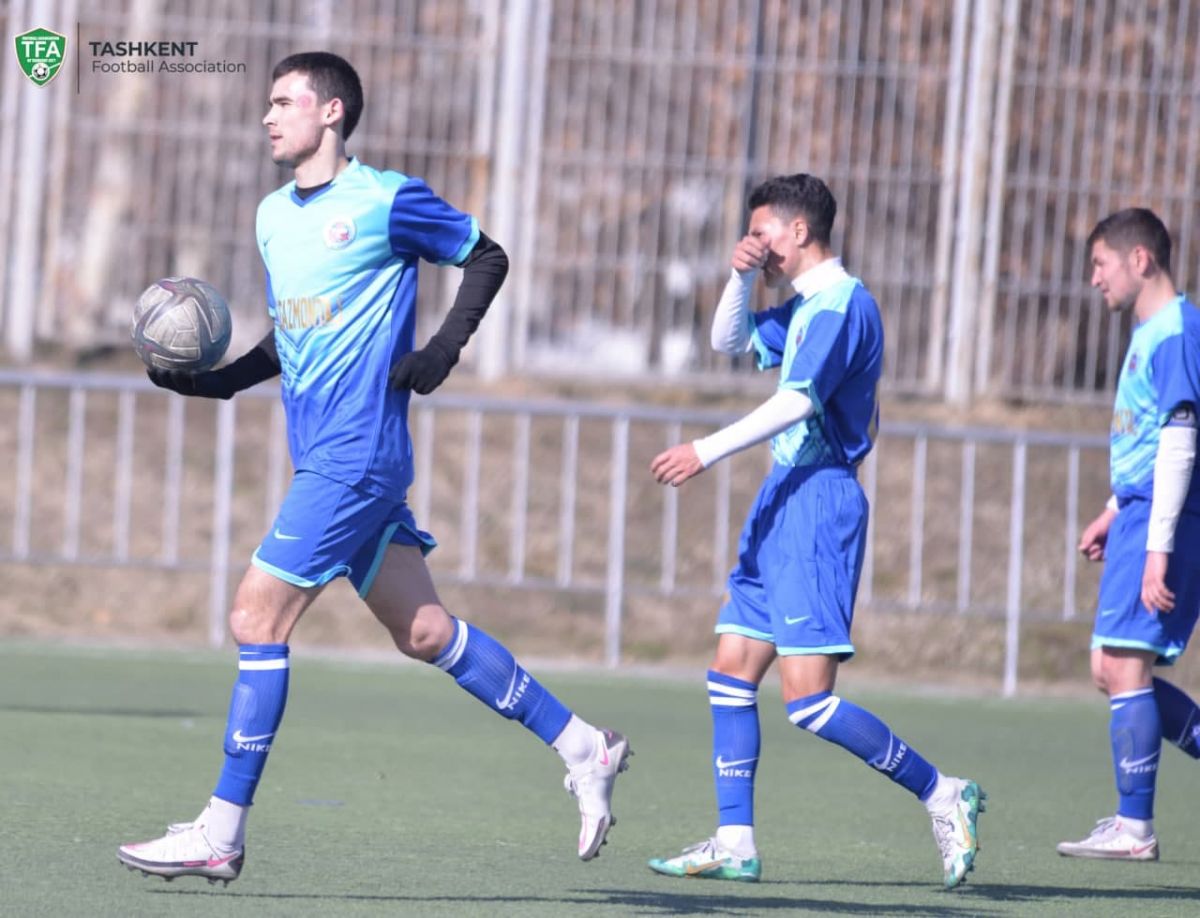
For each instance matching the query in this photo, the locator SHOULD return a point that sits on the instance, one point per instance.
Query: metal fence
(971, 144)
(548, 497)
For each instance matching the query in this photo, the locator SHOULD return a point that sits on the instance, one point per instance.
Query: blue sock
(1180, 717)
(485, 668)
(736, 744)
(255, 710)
(862, 733)
(1136, 732)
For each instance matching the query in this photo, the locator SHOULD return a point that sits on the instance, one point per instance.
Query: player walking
(791, 594)
(341, 244)
(1149, 534)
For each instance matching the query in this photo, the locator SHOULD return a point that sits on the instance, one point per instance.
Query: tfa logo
(40, 53)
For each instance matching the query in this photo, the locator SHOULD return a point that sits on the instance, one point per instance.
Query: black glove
(424, 370)
(256, 366)
(207, 384)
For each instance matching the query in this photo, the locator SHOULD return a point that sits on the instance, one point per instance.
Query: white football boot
(592, 785)
(955, 828)
(184, 851)
(1112, 840)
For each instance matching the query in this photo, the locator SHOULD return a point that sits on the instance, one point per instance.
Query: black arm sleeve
(257, 365)
(484, 271)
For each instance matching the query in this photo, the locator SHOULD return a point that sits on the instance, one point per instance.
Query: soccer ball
(181, 323)
(41, 70)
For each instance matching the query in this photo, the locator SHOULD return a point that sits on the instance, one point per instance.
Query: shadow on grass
(1139, 893)
(959, 904)
(645, 902)
(101, 712)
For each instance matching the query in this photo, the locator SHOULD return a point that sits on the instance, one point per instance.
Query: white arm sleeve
(1112, 504)
(1172, 475)
(731, 321)
(783, 409)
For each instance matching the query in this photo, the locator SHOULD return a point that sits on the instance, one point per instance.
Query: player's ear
(800, 231)
(334, 111)
(1140, 259)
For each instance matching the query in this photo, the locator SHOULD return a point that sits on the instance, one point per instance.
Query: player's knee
(1099, 671)
(425, 634)
(249, 626)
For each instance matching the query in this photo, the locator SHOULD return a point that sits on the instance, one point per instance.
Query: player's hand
(422, 371)
(1155, 594)
(1095, 536)
(749, 255)
(676, 465)
(209, 384)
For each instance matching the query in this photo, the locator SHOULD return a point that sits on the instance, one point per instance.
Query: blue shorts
(327, 529)
(799, 559)
(1121, 619)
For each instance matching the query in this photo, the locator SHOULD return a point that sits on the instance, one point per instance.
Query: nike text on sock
(736, 745)
(1135, 731)
(255, 712)
(485, 669)
(861, 733)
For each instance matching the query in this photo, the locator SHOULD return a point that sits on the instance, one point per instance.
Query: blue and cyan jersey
(1161, 372)
(341, 289)
(828, 345)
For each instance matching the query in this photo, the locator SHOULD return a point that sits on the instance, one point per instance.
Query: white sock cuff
(453, 650)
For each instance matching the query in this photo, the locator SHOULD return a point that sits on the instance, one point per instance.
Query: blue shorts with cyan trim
(328, 529)
(799, 560)
(1121, 619)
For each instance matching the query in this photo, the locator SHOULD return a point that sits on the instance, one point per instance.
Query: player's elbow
(732, 345)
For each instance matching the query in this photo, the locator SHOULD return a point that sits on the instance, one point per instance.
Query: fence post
(614, 586)
(1016, 560)
(995, 199)
(25, 282)
(222, 522)
(968, 237)
(934, 372)
(494, 335)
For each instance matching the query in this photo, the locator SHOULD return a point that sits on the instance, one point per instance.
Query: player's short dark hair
(798, 195)
(1131, 227)
(332, 77)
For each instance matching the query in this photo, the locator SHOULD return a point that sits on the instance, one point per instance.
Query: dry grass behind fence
(135, 602)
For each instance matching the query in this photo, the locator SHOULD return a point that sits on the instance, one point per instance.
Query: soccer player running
(341, 245)
(791, 594)
(1149, 533)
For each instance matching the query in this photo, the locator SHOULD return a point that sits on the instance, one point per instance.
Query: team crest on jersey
(340, 232)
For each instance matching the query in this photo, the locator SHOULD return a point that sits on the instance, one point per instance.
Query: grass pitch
(391, 792)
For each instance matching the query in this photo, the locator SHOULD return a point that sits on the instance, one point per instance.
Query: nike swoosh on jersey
(285, 538)
(796, 621)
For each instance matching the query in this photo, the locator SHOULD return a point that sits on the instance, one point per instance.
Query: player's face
(782, 240)
(296, 120)
(1115, 275)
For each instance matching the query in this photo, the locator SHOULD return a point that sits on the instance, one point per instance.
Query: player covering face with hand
(341, 244)
(1149, 534)
(791, 595)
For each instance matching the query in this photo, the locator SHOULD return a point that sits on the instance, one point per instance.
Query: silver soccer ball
(181, 323)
